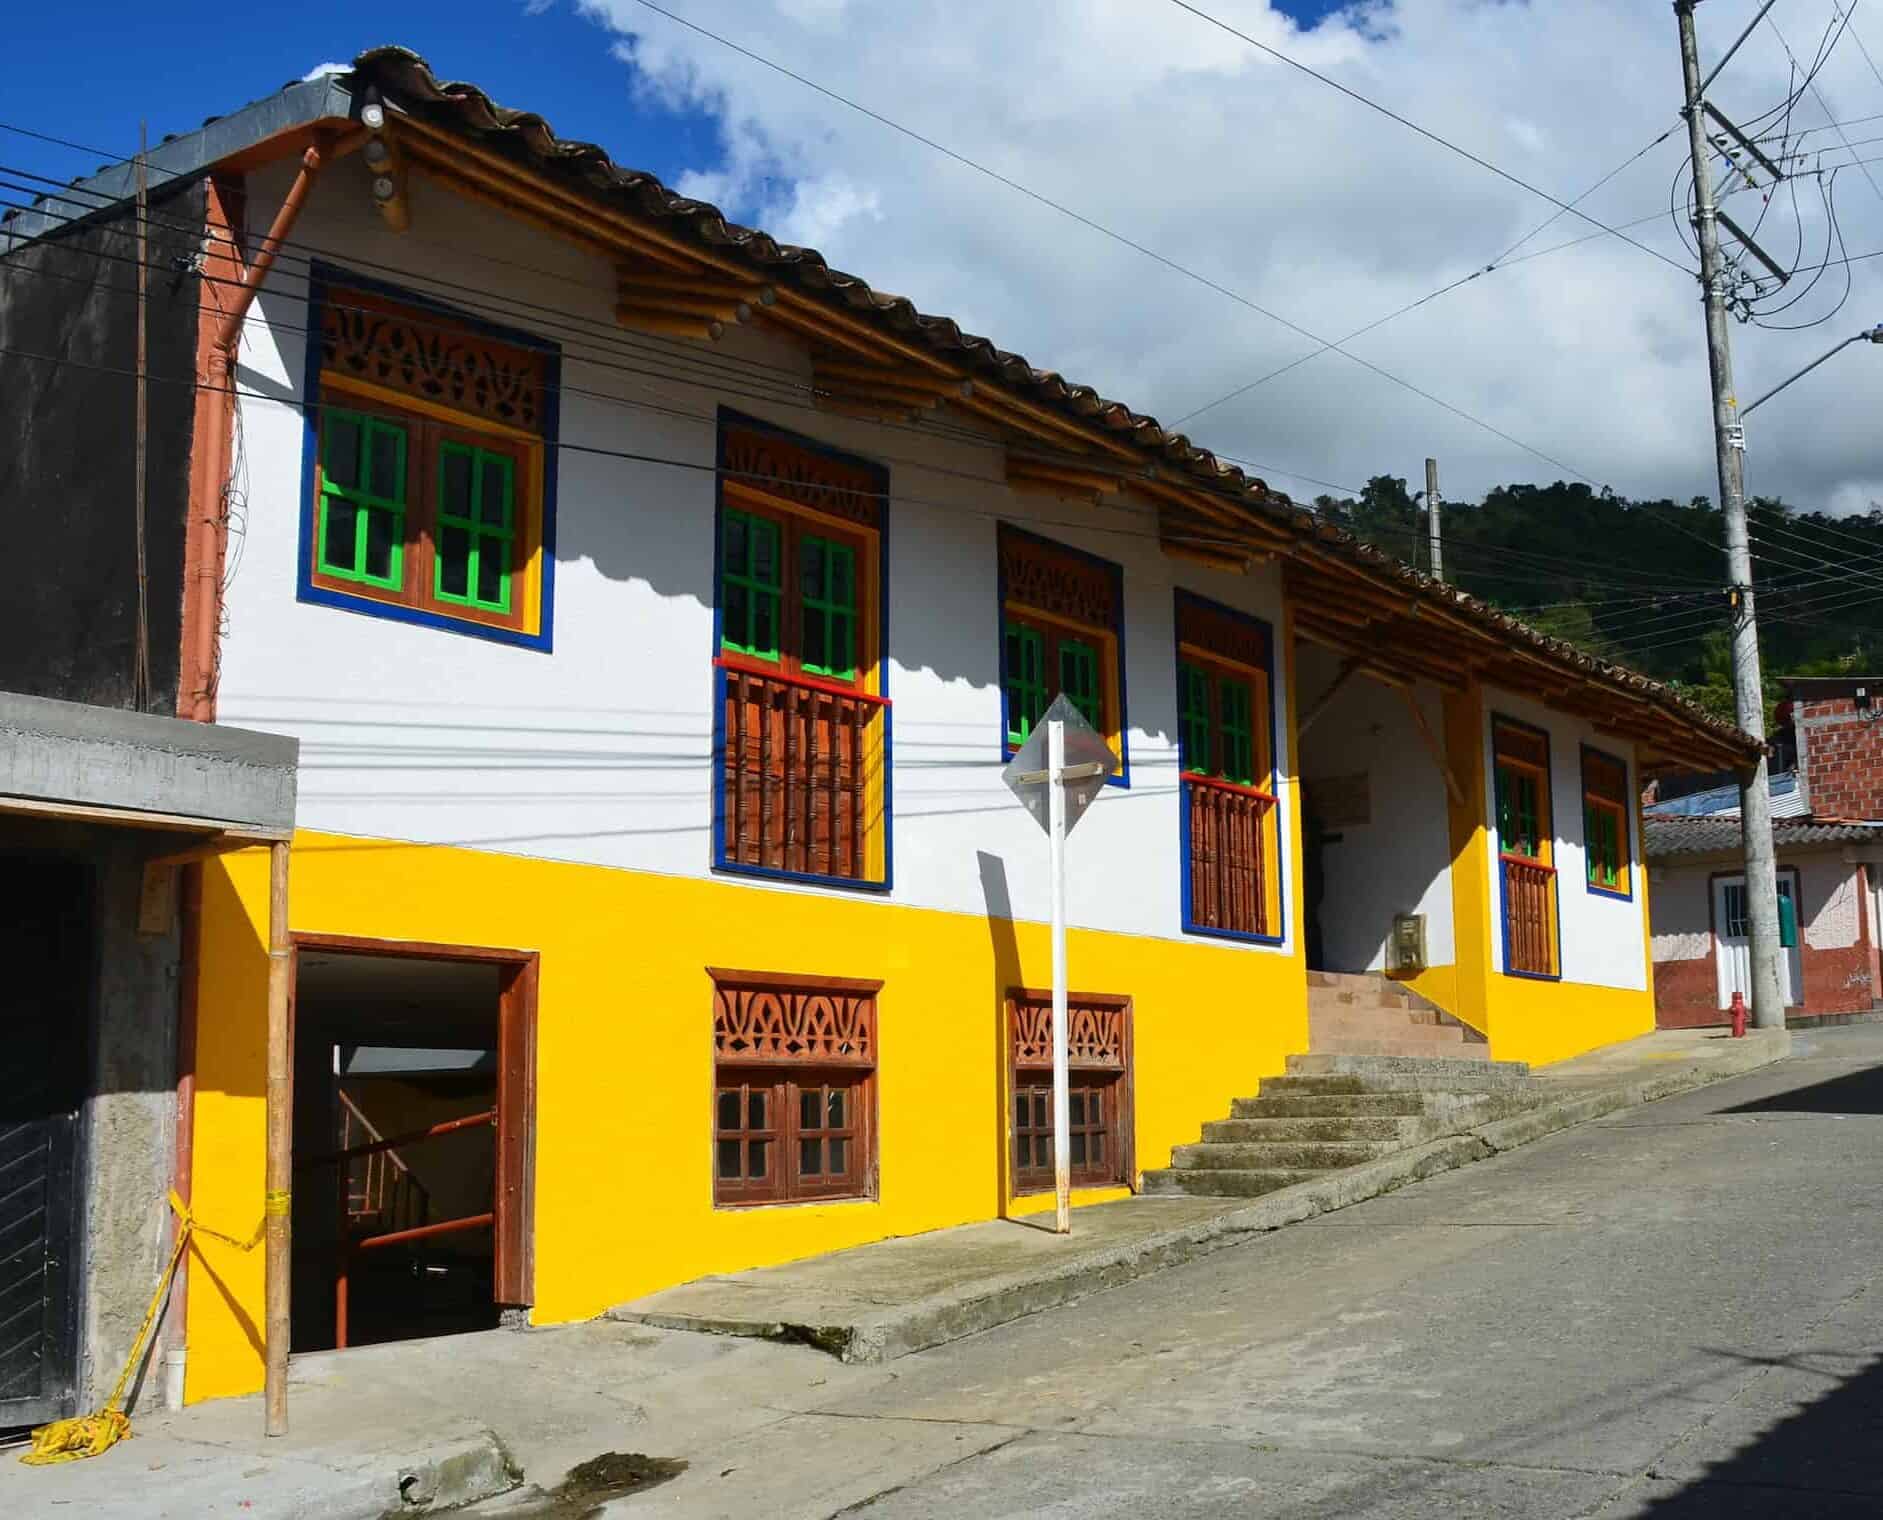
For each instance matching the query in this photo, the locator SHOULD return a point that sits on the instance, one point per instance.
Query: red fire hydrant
(1739, 1015)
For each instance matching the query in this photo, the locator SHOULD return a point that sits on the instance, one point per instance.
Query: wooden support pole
(1348, 670)
(280, 1166)
(1431, 743)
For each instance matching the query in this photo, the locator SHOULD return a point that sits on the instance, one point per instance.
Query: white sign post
(1076, 762)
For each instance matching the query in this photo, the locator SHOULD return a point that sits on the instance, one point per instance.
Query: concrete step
(1404, 1023)
(1222, 1183)
(1399, 1045)
(1476, 1071)
(1356, 1085)
(1280, 1155)
(1305, 1105)
(1400, 1129)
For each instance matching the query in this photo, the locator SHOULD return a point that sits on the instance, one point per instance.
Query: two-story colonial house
(655, 608)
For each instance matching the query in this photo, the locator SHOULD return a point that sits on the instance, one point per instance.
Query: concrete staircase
(1366, 1014)
(1334, 1110)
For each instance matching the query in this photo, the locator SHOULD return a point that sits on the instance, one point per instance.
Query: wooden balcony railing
(793, 773)
(1228, 855)
(1529, 916)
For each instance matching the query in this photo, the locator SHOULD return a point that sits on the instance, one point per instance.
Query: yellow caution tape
(89, 1435)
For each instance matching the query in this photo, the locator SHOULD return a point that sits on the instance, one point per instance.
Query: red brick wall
(1840, 754)
(1686, 993)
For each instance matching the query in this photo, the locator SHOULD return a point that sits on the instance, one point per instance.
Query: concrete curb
(870, 1336)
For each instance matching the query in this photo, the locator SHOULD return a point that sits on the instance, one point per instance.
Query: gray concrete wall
(128, 1113)
(53, 751)
(130, 1126)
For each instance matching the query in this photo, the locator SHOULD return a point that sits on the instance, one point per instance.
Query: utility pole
(1437, 565)
(1755, 800)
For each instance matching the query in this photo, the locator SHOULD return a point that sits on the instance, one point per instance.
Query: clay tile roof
(407, 80)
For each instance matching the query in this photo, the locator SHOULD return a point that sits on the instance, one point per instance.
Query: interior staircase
(1385, 1069)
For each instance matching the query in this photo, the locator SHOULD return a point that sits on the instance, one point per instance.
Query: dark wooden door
(45, 982)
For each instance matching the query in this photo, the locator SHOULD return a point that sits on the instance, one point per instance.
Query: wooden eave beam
(793, 306)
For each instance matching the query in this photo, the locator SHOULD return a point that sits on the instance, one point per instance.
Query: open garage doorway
(413, 1108)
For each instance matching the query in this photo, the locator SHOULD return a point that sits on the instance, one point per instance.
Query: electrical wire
(1444, 290)
(1153, 254)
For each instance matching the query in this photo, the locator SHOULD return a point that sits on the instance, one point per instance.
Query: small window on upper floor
(802, 748)
(1062, 630)
(1605, 823)
(430, 493)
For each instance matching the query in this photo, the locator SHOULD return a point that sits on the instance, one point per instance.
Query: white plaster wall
(600, 751)
(1400, 861)
(1602, 935)
(1682, 913)
(1831, 902)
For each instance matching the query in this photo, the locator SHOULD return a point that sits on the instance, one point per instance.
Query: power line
(797, 392)
(1444, 290)
(1407, 122)
(1132, 243)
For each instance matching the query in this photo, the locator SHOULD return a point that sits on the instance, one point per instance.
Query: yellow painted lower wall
(1540, 1022)
(625, 1050)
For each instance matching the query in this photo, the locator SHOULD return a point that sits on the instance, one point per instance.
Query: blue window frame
(1229, 752)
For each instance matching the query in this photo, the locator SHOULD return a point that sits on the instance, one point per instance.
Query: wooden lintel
(1432, 745)
(912, 395)
(712, 308)
(1236, 562)
(670, 324)
(701, 285)
(1022, 471)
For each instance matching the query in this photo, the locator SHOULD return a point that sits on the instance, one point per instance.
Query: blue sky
(143, 62)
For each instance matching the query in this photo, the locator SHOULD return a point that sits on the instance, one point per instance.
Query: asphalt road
(1671, 1313)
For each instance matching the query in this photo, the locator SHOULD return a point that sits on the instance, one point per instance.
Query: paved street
(1670, 1313)
(1666, 1314)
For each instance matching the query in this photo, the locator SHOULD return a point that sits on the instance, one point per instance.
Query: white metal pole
(1062, 1101)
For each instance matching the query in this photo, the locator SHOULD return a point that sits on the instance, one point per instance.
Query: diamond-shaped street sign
(1088, 761)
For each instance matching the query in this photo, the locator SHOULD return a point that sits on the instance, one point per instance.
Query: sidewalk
(878, 1302)
(422, 1426)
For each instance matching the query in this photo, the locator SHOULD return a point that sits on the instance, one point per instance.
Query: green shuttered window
(363, 498)
(476, 527)
(1025, 680)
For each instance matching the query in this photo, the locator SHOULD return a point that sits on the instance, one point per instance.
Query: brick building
(1828, 832)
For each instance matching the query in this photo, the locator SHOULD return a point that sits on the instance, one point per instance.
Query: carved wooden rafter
(671, 303)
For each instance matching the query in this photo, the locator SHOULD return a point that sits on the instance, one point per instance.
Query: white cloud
(1272, 184)
(322, 70)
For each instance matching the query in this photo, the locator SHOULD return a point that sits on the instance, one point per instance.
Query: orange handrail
(810, 683)
(1193, 778)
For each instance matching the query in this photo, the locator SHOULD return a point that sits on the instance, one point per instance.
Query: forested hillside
(1641, 582)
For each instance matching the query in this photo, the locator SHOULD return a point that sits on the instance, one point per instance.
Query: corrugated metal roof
(407, 81)
(1788, 801)
(1667, 837)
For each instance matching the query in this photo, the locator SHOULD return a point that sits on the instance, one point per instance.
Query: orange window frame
(426, 434)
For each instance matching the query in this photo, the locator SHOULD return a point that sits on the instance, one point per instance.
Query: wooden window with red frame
(1605, 810)
(427, 466)
(1223, 742)
(799, 547)
(794, 1088)
(1060, 627)
(1101, 1152)
(1525, 846)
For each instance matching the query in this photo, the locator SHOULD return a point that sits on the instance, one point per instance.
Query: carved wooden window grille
(1061, 628)
(794, 1092)
(426, 495)
(802, 732)
(1098, 1041)
(1223, 732)
(428, 355)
